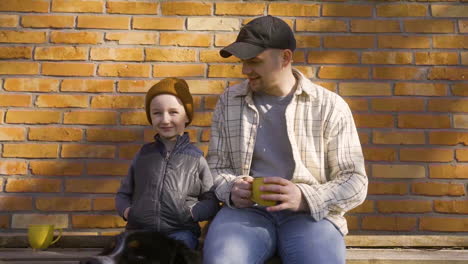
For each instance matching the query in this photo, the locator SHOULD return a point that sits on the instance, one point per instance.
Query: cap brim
(241, 50)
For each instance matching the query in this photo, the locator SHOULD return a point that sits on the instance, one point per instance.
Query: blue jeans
(185, 236)
(253, 235)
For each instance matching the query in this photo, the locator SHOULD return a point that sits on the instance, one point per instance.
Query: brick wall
(73, 76)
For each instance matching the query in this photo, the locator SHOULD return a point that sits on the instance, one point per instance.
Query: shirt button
(246, 166)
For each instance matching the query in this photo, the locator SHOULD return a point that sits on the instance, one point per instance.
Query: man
(279, 125)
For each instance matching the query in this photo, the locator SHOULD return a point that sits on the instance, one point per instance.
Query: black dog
(145, 247)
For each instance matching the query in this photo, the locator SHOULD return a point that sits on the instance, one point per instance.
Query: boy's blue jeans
(253, 235)
(185, 236)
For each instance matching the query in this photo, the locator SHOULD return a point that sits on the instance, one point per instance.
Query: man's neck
(285, 86)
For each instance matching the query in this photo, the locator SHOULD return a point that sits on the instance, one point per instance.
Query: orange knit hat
(177, 87)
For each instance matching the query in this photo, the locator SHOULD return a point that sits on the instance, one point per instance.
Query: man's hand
(126, 212)
(287, 194)
(241, 192)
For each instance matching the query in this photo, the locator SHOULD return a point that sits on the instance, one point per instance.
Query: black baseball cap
(258, 35)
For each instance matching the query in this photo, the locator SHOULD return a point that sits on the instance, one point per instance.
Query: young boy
(169, 187)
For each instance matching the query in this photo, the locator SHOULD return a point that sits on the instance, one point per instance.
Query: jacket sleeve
(347, 182)
(123, 198)
(219, 159)
(207, 205)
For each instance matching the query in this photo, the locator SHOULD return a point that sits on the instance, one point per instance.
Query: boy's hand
(241, 192)
(126, 213)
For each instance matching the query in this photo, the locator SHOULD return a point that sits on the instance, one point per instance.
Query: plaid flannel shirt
(329, 165)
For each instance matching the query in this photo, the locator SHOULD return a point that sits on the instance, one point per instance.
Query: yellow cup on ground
(257, 182)
(40, 236)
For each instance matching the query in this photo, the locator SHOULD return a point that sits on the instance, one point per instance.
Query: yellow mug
(257, 182)
(40, 236)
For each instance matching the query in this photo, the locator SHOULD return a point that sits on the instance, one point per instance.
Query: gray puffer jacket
(164, 190)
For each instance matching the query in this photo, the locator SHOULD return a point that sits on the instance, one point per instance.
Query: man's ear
(287, 57)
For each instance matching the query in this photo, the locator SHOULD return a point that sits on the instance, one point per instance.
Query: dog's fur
(145, 247)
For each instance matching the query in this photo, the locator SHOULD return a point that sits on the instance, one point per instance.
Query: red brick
(7, 36)
(386, 188)
(213, 24)
(13, 167)
(40, 6)
(398, 104)
(225, 71)
(158, 23)
(117, 101)
(56, 168)
(398, 171)
(15, 203)
(15, 52)
(241, 9)
(186, 8)
(213, 56)
(128, 151)
(438, 189)
(202, 119)
(448, 105)
(68, 204)
(133, 118)
(385, 57)
(377, 26)
(112, 135)
(401, 10)
(294, 10)
(224, 39)
(15, 68)
(365, 89)
(335, 57)
(104, 204)
(46, 21)
(426, 154)
(448, 171)
(403, 42)
(133, 37)
(448, 74)
(450, 42)
(55, 134)
(348, 42)
(103, 22)
(379, 154)
(423, 89)
(343, 72)
(4, 221)
(171, 55)
(404, 206)
(61, 100)
(31, 85)
(436, 58)
(91, 86)
(84, 37)
(443, 224)
(30, 150)
(117, 54)
(90, 118)
(32, 117)
(451, 207)
(68, 69)
(9, 20)
(185, 39)
(60, 53)
(12, 134)
(124, 70)
(449, 11)
(33, 185)
(15, 100)
(179, 70)
(463, 26)
(399, 73)
(357, 104)
(88, 151)
(389, 223)
(366, 207)
(78, 6)
(461, 154)
(123, 7)
(373, 120)
(423, 121)
(460, 121)
(448, 138)
(320, 25)
(429, 26)
(92, 186)
(97, 221)
(397, 137)
(23, 220)
(345, 10)
(108, 168)
(135, 86)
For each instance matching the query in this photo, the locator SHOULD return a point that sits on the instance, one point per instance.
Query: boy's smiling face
(168, 116)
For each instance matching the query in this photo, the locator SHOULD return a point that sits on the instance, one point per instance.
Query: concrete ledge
(19, 240)
(354, 256)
